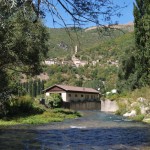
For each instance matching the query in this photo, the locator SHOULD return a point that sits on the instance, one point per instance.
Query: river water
(94, 131)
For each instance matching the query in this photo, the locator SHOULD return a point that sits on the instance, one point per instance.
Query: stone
(127, 114)
(134, 104)
(147, 120)
(141, 99)
(130, 114)
(143, 111)
(147, 109)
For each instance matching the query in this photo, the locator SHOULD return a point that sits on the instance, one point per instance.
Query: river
(94, 131)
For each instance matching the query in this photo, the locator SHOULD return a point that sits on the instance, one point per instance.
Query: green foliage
(91, 43)
(96, 84)
(142, 38)
(103, 50)
(138, 117)
(23, 44)
(112, 97)
(122, 108)
(4, 81)
(137, 109)
(53, 101)
(32, 88)
(126, 75)
(135, 68)
(19, 105)
(66, 111)
(54, 115)
(142, 92)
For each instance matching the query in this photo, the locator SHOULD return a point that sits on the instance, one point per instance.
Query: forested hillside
(63, 41)
(100, 48)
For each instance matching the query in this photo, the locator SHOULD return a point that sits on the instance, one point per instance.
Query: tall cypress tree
(30, 88)
(134, 71)
(34, 90)
(142, 41)
(42, 86)
(38, 87)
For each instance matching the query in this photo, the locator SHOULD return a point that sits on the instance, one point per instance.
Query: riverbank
(52, 115)
(134, 105)
(26, 110)
(47, 116)
(96, 130)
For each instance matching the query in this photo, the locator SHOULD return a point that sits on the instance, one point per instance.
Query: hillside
(62, 41)
(101, 51)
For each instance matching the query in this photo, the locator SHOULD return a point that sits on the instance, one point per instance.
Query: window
(69, 95)
(76, 95)
(82, 96)
(87, 96)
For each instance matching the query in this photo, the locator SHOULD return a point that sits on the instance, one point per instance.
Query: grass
(38, 114)
(138, 118)
(54, 115)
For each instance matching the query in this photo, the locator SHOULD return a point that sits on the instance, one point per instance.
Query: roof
(73, 89)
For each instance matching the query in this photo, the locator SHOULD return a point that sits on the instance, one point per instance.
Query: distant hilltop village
(76, 62)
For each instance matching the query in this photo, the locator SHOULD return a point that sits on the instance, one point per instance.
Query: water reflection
(95, 131)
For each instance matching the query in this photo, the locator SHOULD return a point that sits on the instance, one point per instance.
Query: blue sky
(127, 15)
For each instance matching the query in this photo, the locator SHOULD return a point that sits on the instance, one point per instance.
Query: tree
(23, 44)
(31, 88)
(34, 90)
(23, 37)
(134, 71)
(127, 79)
(39, 87)
(142, 41)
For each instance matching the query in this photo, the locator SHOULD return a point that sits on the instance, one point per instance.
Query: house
(73, 93)
(50, 61)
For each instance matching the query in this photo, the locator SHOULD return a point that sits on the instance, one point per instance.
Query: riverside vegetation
(117, 59)
(103, 75)
(26, 110)
(134, 105)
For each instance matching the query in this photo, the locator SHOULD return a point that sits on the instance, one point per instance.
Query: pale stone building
(73, 93)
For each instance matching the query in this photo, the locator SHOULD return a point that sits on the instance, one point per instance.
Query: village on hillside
(76, 62)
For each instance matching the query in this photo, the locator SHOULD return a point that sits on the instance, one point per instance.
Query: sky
(127, 16)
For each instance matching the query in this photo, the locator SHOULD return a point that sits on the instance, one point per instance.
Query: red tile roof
(74, 89)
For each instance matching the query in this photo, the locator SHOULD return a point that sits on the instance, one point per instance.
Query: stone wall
(103, 105)
(109, 106)
(83, 105)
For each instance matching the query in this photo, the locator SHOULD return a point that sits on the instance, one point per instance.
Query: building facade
(73, 93)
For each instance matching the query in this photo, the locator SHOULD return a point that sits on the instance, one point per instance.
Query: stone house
(73, 93)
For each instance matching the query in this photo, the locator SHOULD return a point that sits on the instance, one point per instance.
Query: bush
(113, 96)
(53, 101)
(122, 108)
(17, 105)
(138, 118)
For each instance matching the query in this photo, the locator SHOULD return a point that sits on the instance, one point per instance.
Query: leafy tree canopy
(23, 44)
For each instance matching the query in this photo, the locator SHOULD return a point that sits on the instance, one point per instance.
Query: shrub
(113, 96)
(138, 110)
(138, 118)
(16, 105)
(122, 108)
(53, 101)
